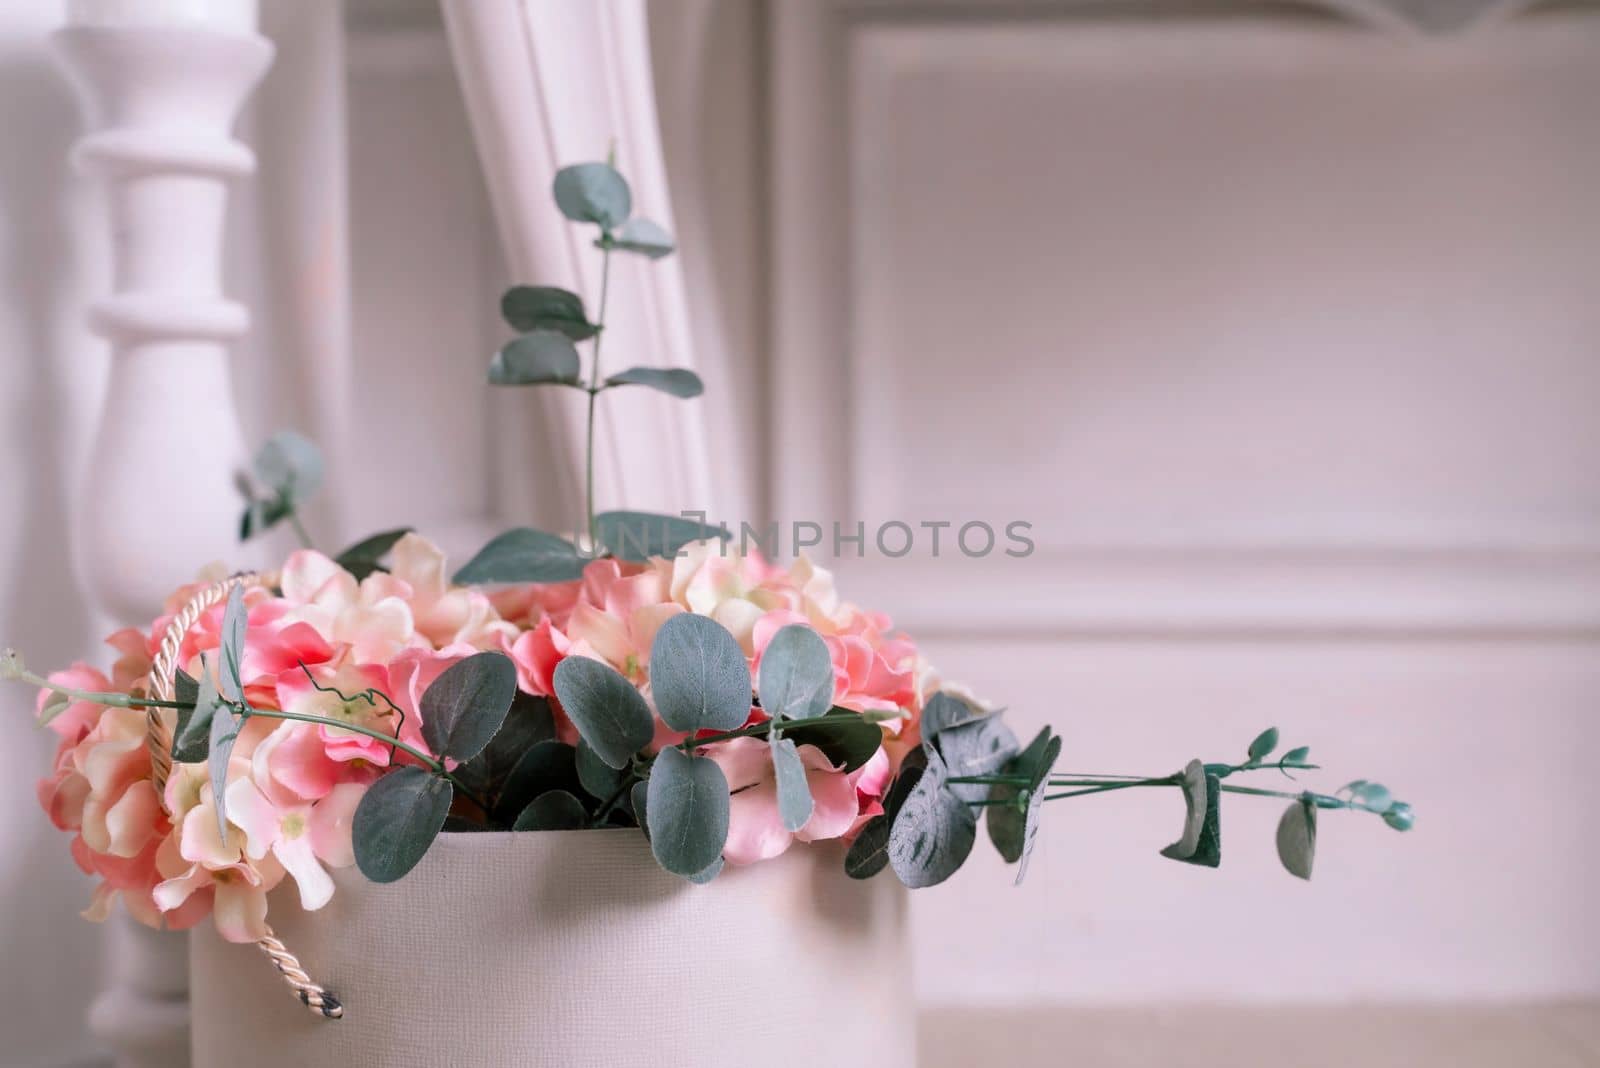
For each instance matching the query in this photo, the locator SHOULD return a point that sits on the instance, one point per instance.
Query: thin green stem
(755, 730)
(609, 803)
(111, 700)
(594, 388)
(300, 530)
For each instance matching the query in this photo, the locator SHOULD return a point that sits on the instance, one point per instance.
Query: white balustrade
(162, 82)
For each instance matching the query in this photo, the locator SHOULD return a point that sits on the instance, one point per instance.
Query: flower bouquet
(561, 745)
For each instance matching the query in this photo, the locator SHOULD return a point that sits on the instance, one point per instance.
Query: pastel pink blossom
(755, 829)
(300, 835)
(237, 887)
(339, 691)
(373, 617)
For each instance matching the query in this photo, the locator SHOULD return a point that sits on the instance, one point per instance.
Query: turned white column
(161, 82)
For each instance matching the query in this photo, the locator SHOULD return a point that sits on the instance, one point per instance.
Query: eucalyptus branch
(594, 385)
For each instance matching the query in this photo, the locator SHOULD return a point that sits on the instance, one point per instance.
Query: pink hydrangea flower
(755, 829)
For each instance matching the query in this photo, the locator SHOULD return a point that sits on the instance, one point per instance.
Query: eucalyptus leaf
(644, 237)
(1264, 744)
(796, 676)
(540, 358)
(1297, 756)
(677, 381)
(945, 710)
(235, 621)
(397, 820)
(225, 726)
(528, 308)
(976, 748)
(184, 687)
(687, 810)
(845, 738)
(712, 870)
(1297, 838)
(523, 555)
(290, 465)
(556, 810)
(528, 722)
(1374, 796)
(698, 676)
(934, 830)
(795, 803)
(609, 713)
(467, 703)
(191, 739)
(1201, 842)
(1013, 815)
(639, 795)
(593, 192)
(366, 555)
(869, 853)
(546, 766)
(639, 536)
(600, 780)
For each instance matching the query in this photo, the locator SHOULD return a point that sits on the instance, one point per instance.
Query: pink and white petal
(744, 761)
(99, 907)
(296, 856)
(329, 827)
(755, 829)
(202, 841)
(740, 617)
(306, 573)
(131, 822)
(240, 911)
(605, 634)
(172, 893)
(257, 817)
(835, 806)
(646, 621)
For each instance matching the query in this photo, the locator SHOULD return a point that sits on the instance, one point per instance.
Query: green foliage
(1373, 796)
(366, 556)
(397, 820)
(1201, 842)
(191, 739)
(976, 747)
(710, 872)
(1013, 815)
(846, 738)
(1264, 744)
(593, 192)
(546, 766)
(556, 810)
(698, 676)
(644, 237)
(226, 719)
(467, 703)
(528, 722)
(796, 677)
(677, 381)
(687, 811)
(869, 853)
(540, 358)
(600, 780)
(1298, 755)
(523, 555)
(529, 308)
(795, 803)
(638, 536)
(1400, 816)
(609, 713)
(290, 468)
(946, 710)
(1297, 837)
(934, 830)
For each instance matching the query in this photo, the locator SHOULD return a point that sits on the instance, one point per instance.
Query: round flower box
(569, 949)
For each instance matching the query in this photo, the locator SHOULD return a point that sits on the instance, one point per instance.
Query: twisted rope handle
(158, 739)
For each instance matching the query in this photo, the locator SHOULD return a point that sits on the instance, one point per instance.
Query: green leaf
(687, 808)
(1264, 744)
(639, 795)
(714, 869)
(262, 515)
(796, 678)
(869, 853)
(528, 722)
(609, 713)
(528, 308)
(934, 830)
(1201, 842)
(58, 703)
(1012, 819)
(795, 803)
(593, 192)
(977, 747)
(638, 536)
(235, 621)
(523, 555)
(600, 780)
(1297, 838)
(553, 811)
(290, 465)
(467, 703)
(1400, 816)
(678, 381)
(546, 766)
(544, 357)
(1297, 756)
(1374, 796)
(397, 820)
(698, 675)
(366, 556)
(644, 237)
(191, 739)
(225, 726)
(945, 710)
(844, 737)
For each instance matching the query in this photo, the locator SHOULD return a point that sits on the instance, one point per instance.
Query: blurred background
(1276, 321)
